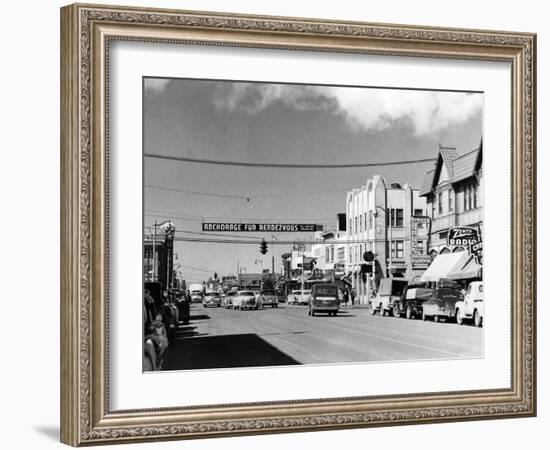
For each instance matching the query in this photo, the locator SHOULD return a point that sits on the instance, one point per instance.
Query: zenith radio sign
(262, 227)
(467, 237)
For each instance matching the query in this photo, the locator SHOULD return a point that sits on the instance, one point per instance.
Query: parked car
(229, 298)
(155, 338)
(442, 304)
(212, 298)
(300, 297)
(389, 293)
(472, 307)
(268, 298)
(324, 298)
(246, 300)
(411, 302)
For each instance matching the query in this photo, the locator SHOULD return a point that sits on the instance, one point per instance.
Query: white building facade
(390, 221)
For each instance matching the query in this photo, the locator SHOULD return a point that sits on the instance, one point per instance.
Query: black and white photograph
(290, 224)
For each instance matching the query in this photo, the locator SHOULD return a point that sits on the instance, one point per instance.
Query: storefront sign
(464, 236)
(469, 238)
(418, 245)
(339, 269)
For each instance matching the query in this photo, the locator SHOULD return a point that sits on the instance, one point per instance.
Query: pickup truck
(472, 307)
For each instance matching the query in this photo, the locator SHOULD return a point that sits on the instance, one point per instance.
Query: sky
(272, 123)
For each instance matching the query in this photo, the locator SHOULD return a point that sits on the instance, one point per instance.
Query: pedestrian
(185, 305)
(353, 294)
(346, 296)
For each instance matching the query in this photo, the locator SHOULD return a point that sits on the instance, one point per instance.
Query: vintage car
(245, 300)
(472, 307)
(389, 293)
(299, 297)
(442, 304)
(411, 302)
(229, 298)
(212, 298)
(268, 298)
(324, 298)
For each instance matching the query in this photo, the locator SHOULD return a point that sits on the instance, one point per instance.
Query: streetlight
(388, 214)
(256, 261)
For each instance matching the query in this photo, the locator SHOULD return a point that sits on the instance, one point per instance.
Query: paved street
(218, 337)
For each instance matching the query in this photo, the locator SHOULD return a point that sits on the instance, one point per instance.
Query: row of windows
(446, 200)
(365, 221)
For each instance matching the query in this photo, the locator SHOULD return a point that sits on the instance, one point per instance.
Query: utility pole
(155, 250)
(391, 241)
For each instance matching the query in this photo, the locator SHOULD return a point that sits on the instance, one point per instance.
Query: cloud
(155, 85)
(362, 108)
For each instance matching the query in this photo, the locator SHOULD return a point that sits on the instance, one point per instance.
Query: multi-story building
(391, 222)
(158, 256)
(453, 190)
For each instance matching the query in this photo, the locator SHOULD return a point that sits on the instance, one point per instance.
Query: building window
(331, 254)
(355, 224)
(341, 254)
(365, 220)
(396, 219)
(370, 219)
(361, 223)
(420, 247)
(470, 197)
(397, 249)
(418, 212)
(450, 199)
(350, 230)
(440, 203)
(327, 255)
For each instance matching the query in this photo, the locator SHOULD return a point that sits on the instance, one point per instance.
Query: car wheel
(396, 312)
(436, 318)
(408, 312)
(312, 313)
(459, 318)
(478, 320)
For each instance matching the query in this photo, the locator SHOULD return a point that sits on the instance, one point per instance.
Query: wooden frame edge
(84, 416)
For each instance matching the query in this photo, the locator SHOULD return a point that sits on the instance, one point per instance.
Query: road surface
(221, 338)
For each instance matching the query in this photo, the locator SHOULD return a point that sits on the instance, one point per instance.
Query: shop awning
(466, 270)
(443, 265)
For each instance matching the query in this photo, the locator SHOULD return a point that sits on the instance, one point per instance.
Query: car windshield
(213, 294)
(231, 294)
(195, 292)
(246, 293)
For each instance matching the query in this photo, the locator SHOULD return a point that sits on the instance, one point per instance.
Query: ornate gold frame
(86, 31)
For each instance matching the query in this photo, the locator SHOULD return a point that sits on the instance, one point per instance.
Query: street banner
(262, 227)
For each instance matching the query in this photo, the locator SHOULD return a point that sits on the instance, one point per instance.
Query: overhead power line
(284, 165)
(205, 194)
